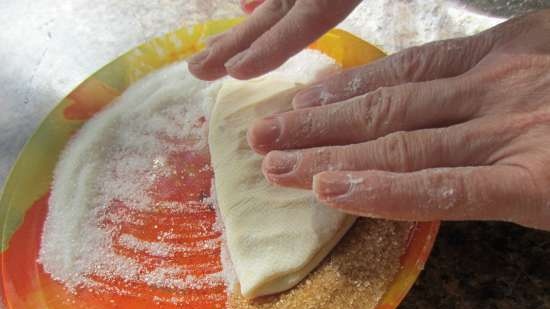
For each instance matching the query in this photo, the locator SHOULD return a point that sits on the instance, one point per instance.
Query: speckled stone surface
(485, 265)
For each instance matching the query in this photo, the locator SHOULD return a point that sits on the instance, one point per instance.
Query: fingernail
(280, 162)
(329, 187)
(200, 57)
(265, 132)
(308, 98)
(236, 60)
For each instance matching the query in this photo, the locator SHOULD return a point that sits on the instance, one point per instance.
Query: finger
(249, 6)
(400, 108)
(304, 23)
(464, 193)
(209, 64)
(431, 61)
(465, 144)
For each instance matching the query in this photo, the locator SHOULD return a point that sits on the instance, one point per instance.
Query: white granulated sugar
(115, 158)
(103, 181)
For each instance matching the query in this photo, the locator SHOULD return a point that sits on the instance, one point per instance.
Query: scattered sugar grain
(116, 156)
(355, 275)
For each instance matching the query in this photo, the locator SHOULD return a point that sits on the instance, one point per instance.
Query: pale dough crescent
(275, 235)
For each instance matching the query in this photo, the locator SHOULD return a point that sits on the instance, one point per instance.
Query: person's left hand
(275, 31)
(453, 130)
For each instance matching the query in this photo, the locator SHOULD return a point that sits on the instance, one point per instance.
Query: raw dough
(275, 235)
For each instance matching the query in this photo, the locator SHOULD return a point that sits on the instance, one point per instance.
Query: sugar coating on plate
(116, 213)
(110, 187)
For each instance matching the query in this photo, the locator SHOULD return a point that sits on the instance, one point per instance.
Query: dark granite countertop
(485, 265)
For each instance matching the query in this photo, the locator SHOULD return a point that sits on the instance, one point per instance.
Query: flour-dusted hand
(276, 30)
(452, 130)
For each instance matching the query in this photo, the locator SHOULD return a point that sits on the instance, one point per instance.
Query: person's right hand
(451, 130)
(277, 30)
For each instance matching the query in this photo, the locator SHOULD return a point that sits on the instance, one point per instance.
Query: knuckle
(361, 113)
(397, 151)
(351, 157)
(388, 109)
(435, 146)
(410, 64)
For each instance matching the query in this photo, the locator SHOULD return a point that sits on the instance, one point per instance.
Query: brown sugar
(355, 275)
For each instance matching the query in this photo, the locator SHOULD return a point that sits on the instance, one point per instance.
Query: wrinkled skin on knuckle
(431, 60)
(472, 50)
(387, 107)
(450, 101)
(410, 64)
(393, 104)
(361, 111)
(396, 149)
(417, 150)
(435, 146)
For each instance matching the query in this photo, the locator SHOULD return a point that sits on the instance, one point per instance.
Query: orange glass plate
(24, 200)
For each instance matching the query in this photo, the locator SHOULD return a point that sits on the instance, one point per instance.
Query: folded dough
(275, 235)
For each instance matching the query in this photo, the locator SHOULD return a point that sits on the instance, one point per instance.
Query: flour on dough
(275, 235)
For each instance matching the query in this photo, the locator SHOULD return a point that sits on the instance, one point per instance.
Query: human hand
(276, 30)
(452, 130)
